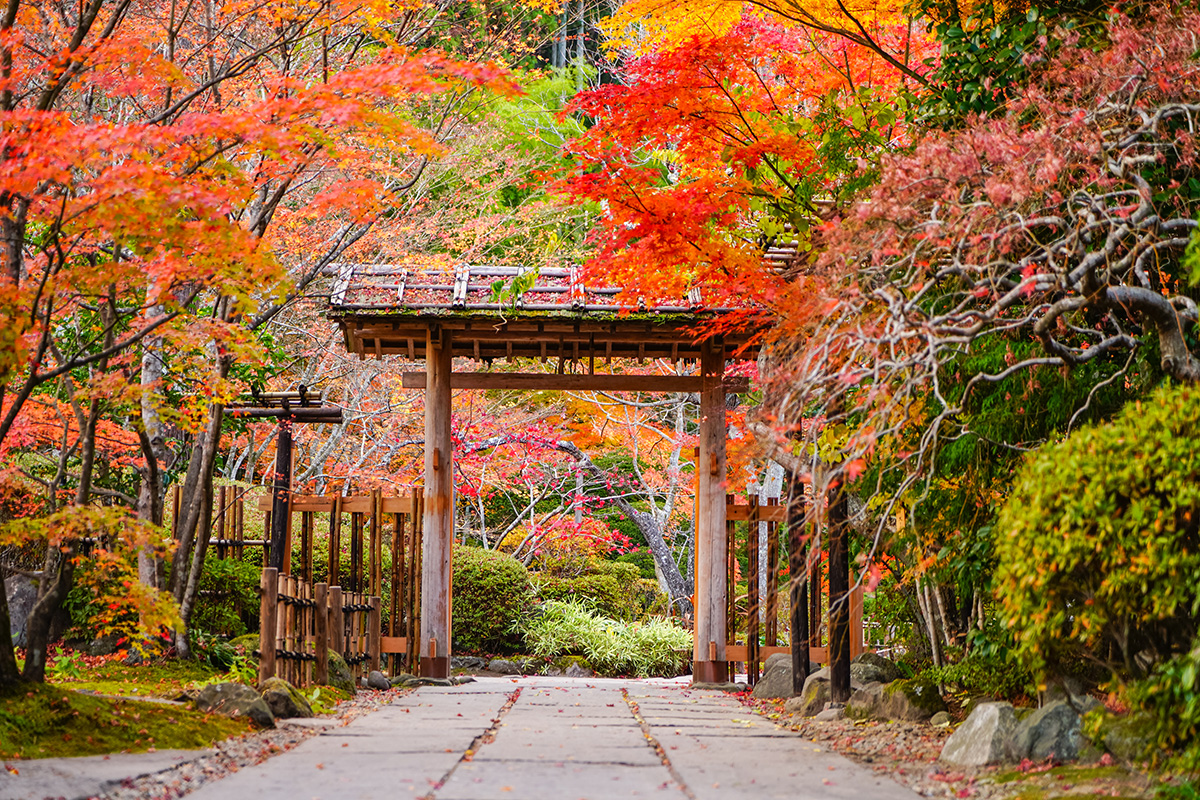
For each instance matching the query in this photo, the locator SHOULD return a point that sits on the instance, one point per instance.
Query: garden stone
(885, 670)
(1129, 737)
(983, 738)
(719, 687)
(247, 644)
(398, 680)
(911, 701)
(777, 660)
(235, 700)
(412, 683)
(775, 682)
(462, 679)
(832, 714)
(468, 662)
(867, 702)
(376, 681)
(811, 701)
(505, 666)
(284, 700)
(940, 720)
(340, 676)
(579, 671)
(133, 658)
(21, 593)
(103, 646)
(569, 666)
(1053, 731)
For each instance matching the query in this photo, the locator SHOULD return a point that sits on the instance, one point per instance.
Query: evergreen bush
(613, 588)
(491, 594)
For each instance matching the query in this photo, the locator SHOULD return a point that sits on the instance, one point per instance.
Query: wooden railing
(301, 622)
(743, 611)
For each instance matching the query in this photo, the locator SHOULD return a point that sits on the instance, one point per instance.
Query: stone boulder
(911, 701)
(505, 667)
(21, 593)
(284, 700)
(340, 675)
(398, 680)
(873, 668)
(983, 738)
(776, 680)
(569, 666)
(235, 700)
(468, 662)
(376, 680)
(1052, 731)
(866, 702)
(812, 699)
(1129, 737)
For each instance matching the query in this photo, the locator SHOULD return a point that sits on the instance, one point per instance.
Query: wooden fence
(366, 526)
(301, 622)
(753, 622)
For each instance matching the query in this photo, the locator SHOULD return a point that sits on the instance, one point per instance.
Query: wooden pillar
(281, 493)
(268, 609)
(374, 632)
(839, 599)
(335, 543)
(798, 635)
(708, 657)
(321, 634)
(337, 621)
(753, 601)
(438, 528)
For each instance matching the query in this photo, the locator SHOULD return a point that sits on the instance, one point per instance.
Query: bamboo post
(239, 528)
(354, 584)
(306, 542)
(220, 526)
(375, 563)
(798, 634)
(321, 634)
(772, 578)
(335, 543)
(269, 586)
(752, 602)
(731, 625)
(375, 631)
(337, 621)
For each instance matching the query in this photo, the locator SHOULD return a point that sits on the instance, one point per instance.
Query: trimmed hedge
(1099, 544)
(614, 589)
(491, 594)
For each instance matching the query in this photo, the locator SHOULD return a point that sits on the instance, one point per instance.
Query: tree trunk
(8, 659)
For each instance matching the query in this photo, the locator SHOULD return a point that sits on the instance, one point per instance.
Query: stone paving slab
(85, 776)
(530, 781)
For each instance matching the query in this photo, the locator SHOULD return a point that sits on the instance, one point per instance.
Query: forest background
(993, 207)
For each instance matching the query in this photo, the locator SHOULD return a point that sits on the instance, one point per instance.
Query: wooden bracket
(433, 648)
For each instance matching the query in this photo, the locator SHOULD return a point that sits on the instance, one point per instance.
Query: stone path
(535, 739)
(557, 739)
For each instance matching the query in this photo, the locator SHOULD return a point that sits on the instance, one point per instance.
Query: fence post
(268, 610)
(375, 632)
(321, 633)
(336, 621)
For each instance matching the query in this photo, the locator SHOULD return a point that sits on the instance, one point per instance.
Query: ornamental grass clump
(657, 647)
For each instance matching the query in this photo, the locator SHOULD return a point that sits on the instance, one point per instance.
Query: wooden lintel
(736, 513)
(536, 381)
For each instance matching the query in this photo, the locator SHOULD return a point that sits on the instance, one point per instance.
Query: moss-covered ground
(41, 721)
(166, 679)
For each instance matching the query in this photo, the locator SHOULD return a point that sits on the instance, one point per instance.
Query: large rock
(983, 738)
(1052, 731)
(21, 593)
(911, 701)
(776, 680)
(235, 700)
(340, 675)
(468, 662)
(376, 680)
(1130, 737)
(866, 702)
(812, 699)
(506, 666)
(873, 668)
(284, 700)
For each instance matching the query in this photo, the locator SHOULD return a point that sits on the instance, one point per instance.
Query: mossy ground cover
(166, 678)
(42, 721)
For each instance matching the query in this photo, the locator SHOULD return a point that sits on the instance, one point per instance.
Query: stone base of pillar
(710, 671)
(435, 667)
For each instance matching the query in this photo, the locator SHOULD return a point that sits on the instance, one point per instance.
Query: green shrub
(656, 647)
(491, 593)
(1099, 552)
(1098, 545)
(228, 603)
(614, 589)
(641, 558)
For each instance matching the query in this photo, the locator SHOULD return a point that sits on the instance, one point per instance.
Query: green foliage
(228, 603)
(1098, 546)
(656, 647)
(1171, 695)
(491, 594)
(641, 558)
(977, 675)
(613, 588)
(64, 665)
(1184, 791)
